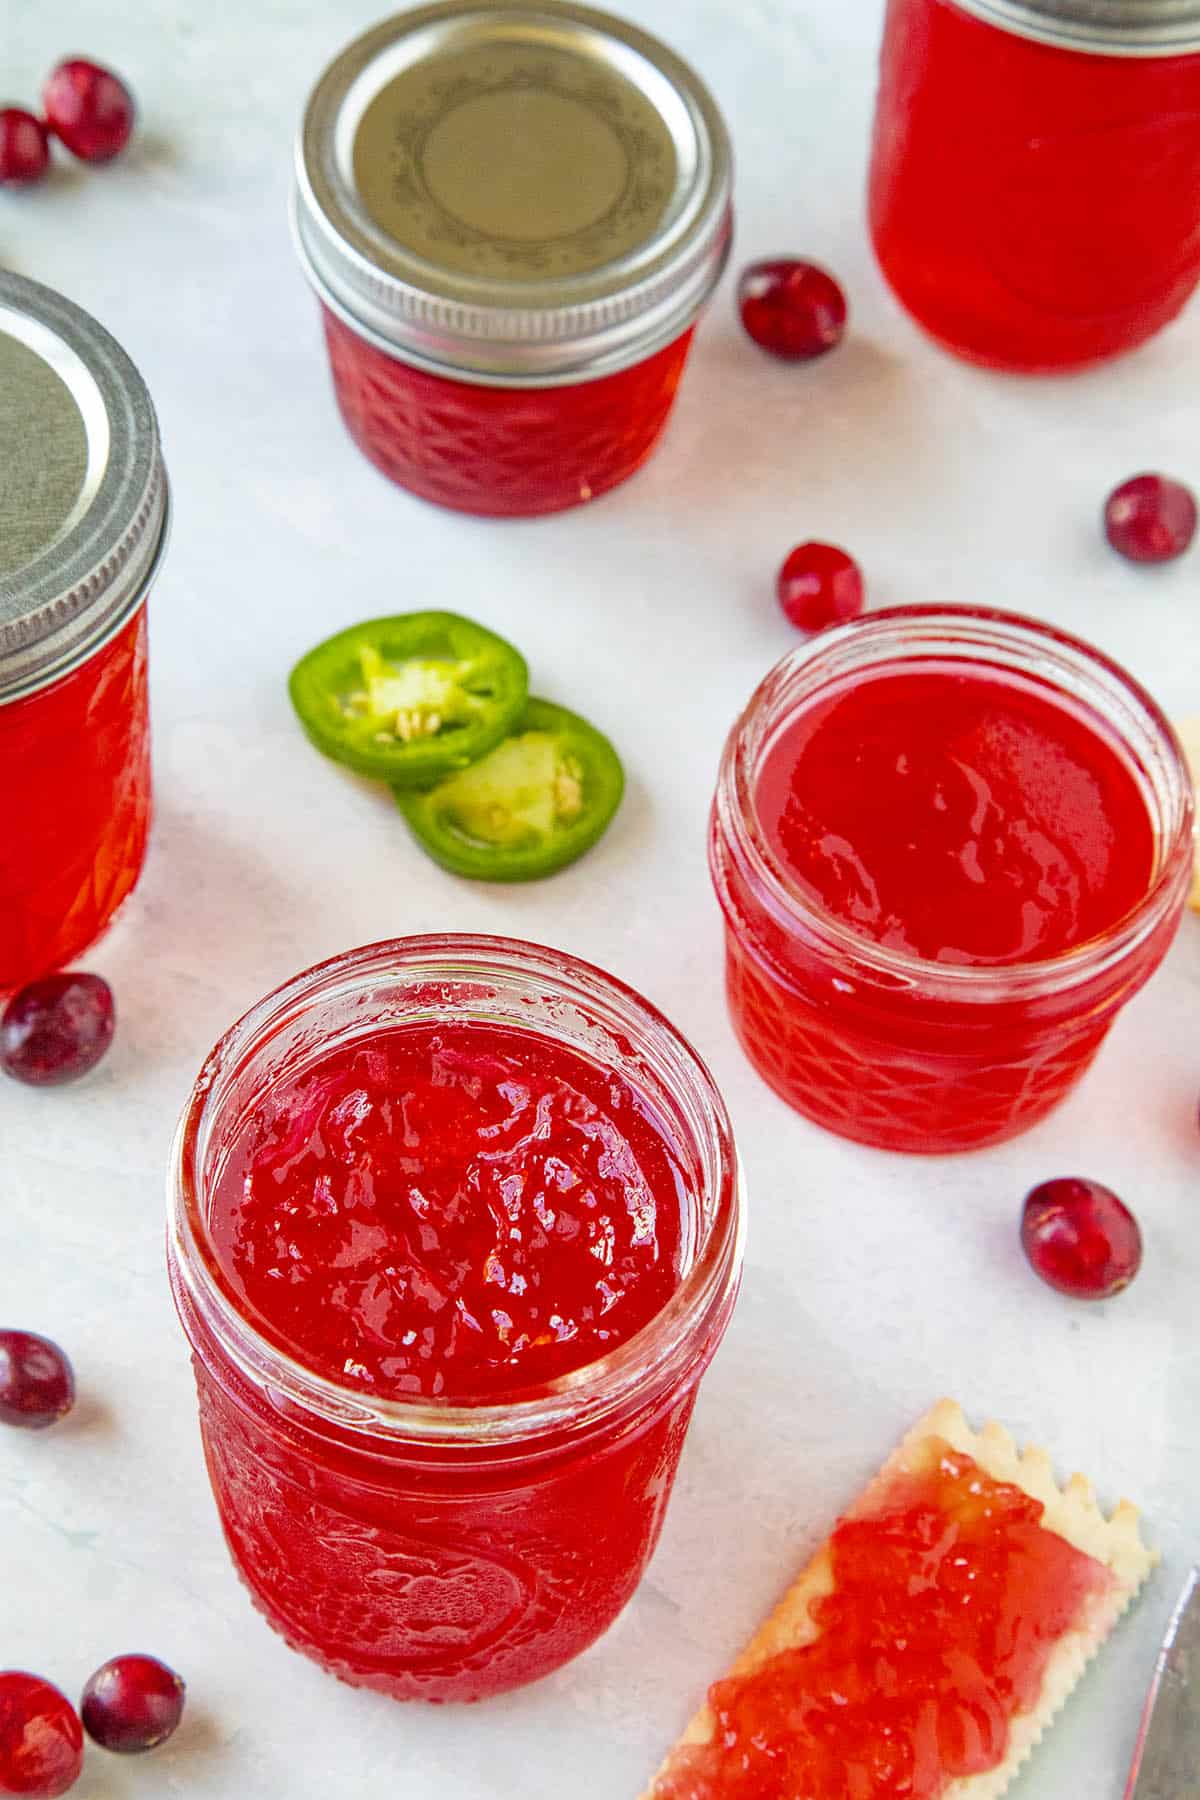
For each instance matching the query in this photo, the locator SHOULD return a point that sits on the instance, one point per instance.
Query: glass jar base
(881, 1095)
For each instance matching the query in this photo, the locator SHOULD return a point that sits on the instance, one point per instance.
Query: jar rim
(514, 322)
(909, 633)
(1115, 28)
(665, 1348)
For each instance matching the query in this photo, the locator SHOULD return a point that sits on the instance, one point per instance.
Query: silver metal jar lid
(83, 493)
(1103, 27)
(514, 193)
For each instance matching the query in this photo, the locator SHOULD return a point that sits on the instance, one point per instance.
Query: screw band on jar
(1105, 27)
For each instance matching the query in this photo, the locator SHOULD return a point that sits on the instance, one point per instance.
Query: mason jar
(906, 1051)
(83, 526)
(440, 1549)
(1035, 175)
(512, 216)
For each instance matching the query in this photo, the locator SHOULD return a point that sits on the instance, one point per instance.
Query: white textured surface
(873, 1282)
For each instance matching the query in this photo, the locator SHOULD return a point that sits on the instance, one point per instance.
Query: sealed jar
(1035, 178)
(512, 216)
(407, 1534)
(83, 515)
(949, 846)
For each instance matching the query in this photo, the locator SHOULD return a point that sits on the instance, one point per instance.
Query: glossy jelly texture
(494, 450)
(442, 1212)
(957, 818)
(947, 1599)
(1034, 208)
(964, 820)
(73, 829)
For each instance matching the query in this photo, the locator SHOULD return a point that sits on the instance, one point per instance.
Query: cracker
(1071, 1511)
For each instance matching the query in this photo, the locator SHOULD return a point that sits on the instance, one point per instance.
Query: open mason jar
(1035, 177)
(447, 1549)
(910, 1052)
(83, 525)
(512, 216)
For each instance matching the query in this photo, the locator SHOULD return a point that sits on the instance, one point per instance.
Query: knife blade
(1166, 1762)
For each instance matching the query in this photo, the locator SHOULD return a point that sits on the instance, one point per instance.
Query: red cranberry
(820, 585)
(793, 309)
(1150, 518)
(24, 146)
(132, 1703)
(89, 108)
(36, 1383)
(41, 1742)
(1080, 1238)
(57, 1029)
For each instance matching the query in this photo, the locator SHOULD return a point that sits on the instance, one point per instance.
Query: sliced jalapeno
(530, 806)
(411, 698)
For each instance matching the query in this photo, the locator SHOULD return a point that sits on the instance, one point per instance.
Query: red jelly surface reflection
(956, 818)
(449, 1214)
(947, 1600)
(73, 828)
(1033, 207)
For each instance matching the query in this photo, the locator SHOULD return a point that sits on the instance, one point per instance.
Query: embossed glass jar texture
(82, 530)
(896, 1050)
(1035, 175)
(449, 1551)
(512, 217)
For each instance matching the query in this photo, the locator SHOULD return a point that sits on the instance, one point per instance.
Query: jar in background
(512, 216)
(1035, 178)
(83, 516)
(899, 1050)
(440, 1549)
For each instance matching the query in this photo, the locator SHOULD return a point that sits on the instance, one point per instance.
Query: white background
(873, 1283)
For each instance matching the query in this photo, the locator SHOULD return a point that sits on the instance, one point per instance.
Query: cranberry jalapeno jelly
(512, 216)
(1035, 182)
(456, 1229)
(949, 845)
(83, 507)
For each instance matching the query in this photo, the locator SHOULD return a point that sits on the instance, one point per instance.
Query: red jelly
(457, 1232)
(512, 235)
(1035, 179)
(949, 846)
(948, 1597)
(82, 527)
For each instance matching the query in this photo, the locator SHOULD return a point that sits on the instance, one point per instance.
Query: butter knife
(1166, 1762)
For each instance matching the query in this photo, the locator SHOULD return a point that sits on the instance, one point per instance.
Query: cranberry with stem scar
(819, 585)
(24, 147)
(37, 1386)
(41, 1740)
(1080, 1238)
(793, 309)
(1150, 518)
(132, 1703)
(89, 108)
(57, 1029)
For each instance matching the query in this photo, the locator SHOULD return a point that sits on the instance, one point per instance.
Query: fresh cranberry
(132, 1703)
(57, 1029)
(1080, 1238)
(36, 1383)
(793, 309)
(1150, 518)
(819, 585)
(89, 108)
(41, 1741)
(24, 146)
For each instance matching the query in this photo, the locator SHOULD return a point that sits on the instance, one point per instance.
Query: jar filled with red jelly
(949, 845)
(512, 216)
(1035, 179)
(456, 1229)
(83, 516)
